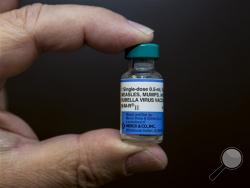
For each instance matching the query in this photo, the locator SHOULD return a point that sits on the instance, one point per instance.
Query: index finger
(31, 29)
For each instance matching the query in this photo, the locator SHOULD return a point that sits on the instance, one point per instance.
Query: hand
(88, 160)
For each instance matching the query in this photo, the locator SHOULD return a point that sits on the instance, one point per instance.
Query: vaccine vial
(141, 96)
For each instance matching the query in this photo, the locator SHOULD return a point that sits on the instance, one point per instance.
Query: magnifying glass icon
(231, 159)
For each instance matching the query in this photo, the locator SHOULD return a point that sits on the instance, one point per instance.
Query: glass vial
(142, 112)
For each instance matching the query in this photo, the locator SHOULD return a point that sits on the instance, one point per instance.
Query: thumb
(88, 160)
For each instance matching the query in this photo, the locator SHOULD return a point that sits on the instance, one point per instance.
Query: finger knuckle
(28, 16)
(18, 24)
(25, 16)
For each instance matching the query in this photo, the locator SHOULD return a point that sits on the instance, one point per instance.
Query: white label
(142, 95)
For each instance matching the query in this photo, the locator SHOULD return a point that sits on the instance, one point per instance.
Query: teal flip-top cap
(145, 50)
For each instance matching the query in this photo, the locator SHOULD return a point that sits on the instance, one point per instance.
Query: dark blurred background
(205, 59)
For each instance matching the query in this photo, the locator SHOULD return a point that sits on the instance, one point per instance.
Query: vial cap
(145, 50)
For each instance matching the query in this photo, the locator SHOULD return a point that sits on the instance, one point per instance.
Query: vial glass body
(142, 70)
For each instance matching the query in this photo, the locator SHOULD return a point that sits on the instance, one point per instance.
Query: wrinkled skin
(87, 160)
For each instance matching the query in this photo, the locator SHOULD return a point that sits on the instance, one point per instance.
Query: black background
(206, 63)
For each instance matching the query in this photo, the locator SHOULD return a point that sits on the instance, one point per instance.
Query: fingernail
(146, 30)
(151, 159)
